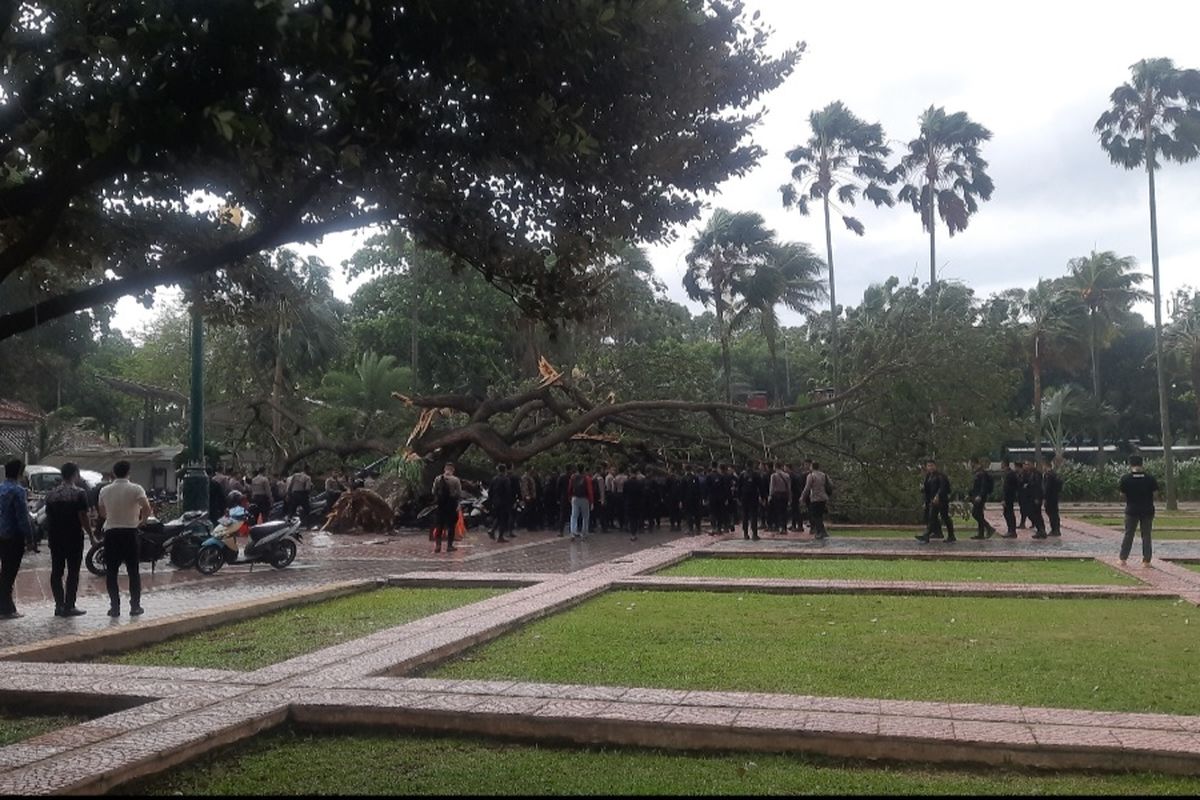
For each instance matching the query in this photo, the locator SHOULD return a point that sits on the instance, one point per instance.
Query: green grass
(15, 726)
(873, 533)
(1168, 519)
(1067, 571)
(1126, 655)
(290, 632)
(290, 762)
(1195, 567)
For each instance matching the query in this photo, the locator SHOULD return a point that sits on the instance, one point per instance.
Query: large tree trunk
(833, 317)
(1037, 399)
(1163, 398)
(724, 335)
(1195, 364)
(1096, 389)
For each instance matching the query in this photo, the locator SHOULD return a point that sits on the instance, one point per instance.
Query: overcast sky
(1037, 74)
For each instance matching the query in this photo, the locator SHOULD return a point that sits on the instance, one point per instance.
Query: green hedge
(1086, 482)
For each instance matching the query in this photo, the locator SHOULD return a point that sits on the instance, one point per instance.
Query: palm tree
(1107, 287)
(944, 167)
(790, 276)
(1046, 313)
(1156, 114)
(845, 156)
(367, 389)
(728, 247)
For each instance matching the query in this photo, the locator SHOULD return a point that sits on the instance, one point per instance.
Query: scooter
(178, 540)
(273, 543)
(316, 507)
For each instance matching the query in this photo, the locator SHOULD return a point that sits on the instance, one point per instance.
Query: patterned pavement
(185, 712)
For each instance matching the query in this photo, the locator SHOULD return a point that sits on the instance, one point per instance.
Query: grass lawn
(1073, 571)
(290, 632)
(16, 726)
(1121, 655)
(873, 533)
(290, 762)
(1195, 567)
(1167, 519)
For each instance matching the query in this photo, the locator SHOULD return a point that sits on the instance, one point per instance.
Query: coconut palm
(944, 171)
(367, 389)
(1107, 287)
(1155, 115)
(1068, 408)
(843, 157)
(789, 276)
(722, 254)
(1046, 314)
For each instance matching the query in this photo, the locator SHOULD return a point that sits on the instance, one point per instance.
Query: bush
(1085, 482)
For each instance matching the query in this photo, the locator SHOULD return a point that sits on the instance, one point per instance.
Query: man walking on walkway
(1030, 493)
(16, 535)
(1052, 486)
(936, 491)
(981, 492)
(748, 494)
(299, 489)
(1011, 484)
(260, 494)
(778, 497)
(818, 490)
(124, 507)
(502, 498)
(1138, 489)
(66, 524)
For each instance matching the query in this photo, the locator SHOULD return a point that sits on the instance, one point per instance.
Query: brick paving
(184, 712)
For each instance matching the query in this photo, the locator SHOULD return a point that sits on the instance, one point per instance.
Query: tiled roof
(13, 412)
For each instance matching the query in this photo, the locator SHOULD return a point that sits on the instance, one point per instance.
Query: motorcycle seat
(266, 529)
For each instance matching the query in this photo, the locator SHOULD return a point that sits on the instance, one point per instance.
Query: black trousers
(1033, 511)
(1010, 516)
(121, 547)
(504, 521)
(262, 504)
(797, 522)
(1132, 521)
(750, 515)
(936, 517)
(11, 552)
(980, 520)
(817, 510)
(675, 509)
(693, 512)
(1052, 515)
(777, 512)
(298, 501)
(66, 553)
(447, 519)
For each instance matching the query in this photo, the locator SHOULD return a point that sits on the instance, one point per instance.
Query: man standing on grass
(981, 492)
(936, 491)
(1031, 498)
(1051, 490)
(1138, 489)
(1011, 486)
(124, 507)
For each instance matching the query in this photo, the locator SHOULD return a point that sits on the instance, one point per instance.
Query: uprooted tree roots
(359, 509)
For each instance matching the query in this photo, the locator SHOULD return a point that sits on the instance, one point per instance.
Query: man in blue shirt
(16, 535)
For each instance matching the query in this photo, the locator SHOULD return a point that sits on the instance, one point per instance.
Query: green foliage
(863, 646)
(290, 632)
(1086, 482)
(16, 726)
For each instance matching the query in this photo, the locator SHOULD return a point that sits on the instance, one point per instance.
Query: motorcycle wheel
(95, 559)
(209, 560)
(183, 555)
(284, 554)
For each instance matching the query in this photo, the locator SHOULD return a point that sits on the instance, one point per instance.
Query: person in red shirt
(581, 494)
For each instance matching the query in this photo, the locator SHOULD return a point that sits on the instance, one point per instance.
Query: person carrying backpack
(581, 494)
(447, 491)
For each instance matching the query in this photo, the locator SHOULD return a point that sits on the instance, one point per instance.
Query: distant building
(152, 467)
(18, 428)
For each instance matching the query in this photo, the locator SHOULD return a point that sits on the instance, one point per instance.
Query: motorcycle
(475, 510)
(272, 542)
(316, 508)
(178, 541)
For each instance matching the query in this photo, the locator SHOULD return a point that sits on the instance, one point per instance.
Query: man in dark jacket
(748, 494)
(936, 491)
(635, 498)
(1052, 486)
(675, 499)
(981, 492)
(502, 499)
(1030, 495)
(67, 523)
(798, 478)
(693, 499)
(550, 502)
(1011, 486)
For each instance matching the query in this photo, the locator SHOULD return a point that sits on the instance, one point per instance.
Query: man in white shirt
(123, 506)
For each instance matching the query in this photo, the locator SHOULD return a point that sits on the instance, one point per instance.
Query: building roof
(112, 454)
(139, 389)
(17, 414)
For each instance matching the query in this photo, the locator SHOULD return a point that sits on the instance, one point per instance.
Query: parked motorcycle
(476, 513)
(272, 543)
(317, 504)
(178, 540)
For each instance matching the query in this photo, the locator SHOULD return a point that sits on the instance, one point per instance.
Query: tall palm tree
(789, 276)
(844, 156)
(1107, 287)
(728, 248)
(945, 172)
(367, 389)
(1157, 114)
(1046, 314)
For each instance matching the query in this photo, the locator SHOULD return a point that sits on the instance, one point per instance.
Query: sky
(1037, 74)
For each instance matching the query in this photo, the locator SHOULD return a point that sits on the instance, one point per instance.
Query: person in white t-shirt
(123, 506)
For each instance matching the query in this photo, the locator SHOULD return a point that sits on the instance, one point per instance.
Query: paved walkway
(185, 712)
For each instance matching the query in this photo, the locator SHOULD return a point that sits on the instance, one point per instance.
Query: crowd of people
(1023, 487)
(295, 491)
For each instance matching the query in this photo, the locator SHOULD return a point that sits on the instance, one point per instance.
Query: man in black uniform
(635, 499)
(1030, 494)
(798, 479)
(936, 491)
(502, 497)
(693, 499)
(748, 493)
(1051, 490)
(1011, 485)
(712, 494)
(550, 501)
(981, 492)
(674, 499)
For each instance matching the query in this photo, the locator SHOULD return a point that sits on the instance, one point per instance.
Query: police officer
(936, 491)
(1052, 486)
(981, 492)
(748, 494)
(693, 500)
(1030, 494)
(1011, 486)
